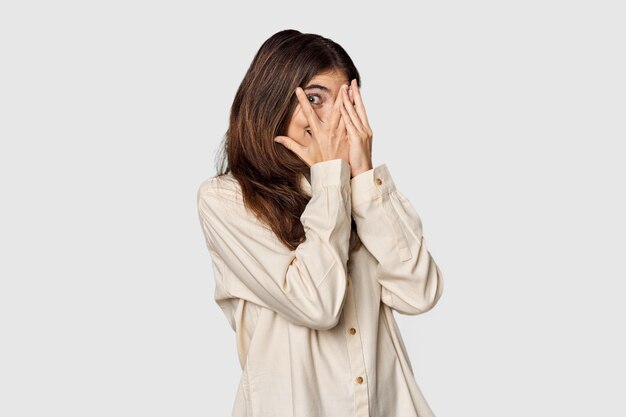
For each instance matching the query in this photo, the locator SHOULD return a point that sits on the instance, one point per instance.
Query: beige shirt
(314, 327)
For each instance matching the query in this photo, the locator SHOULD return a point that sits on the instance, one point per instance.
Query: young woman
(312, 247)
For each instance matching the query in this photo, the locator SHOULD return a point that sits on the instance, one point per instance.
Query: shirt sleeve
(391, 229)
(307, 285)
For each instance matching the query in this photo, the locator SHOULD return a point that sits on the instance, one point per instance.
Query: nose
(324, 112)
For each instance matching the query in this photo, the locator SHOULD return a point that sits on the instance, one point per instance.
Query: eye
(315, 96)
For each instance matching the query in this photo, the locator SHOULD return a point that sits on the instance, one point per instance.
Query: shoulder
(219, 189)
(220, 198)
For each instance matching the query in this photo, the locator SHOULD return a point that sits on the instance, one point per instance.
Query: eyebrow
(321, 87)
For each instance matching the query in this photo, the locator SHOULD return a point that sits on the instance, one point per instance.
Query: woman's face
(321, 91)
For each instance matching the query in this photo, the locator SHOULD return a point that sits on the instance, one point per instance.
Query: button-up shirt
(315, 332)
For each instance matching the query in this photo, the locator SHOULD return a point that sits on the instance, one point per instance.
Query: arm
(391, 230)
(306, 286)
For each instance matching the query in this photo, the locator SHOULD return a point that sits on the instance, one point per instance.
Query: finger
(348, 121)
(341, 128)
(336, 113)
(356, 119)
(290, 144)
(358, 101)
(308, 110)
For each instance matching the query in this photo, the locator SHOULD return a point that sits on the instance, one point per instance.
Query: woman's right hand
(329, 139)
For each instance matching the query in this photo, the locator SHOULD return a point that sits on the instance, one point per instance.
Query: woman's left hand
(359, 131)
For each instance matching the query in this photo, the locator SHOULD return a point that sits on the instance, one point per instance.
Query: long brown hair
(267, 171)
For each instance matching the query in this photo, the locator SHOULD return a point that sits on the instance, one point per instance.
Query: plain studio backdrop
(502, 122)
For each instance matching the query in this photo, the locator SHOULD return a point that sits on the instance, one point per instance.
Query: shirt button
(379, 181)
(359, 380)
(352, 330)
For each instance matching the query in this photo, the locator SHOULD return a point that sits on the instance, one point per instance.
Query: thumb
(290, 144)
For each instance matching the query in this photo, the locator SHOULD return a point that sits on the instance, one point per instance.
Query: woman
(312, 247)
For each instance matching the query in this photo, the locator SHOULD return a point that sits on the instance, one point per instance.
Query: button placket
(355, 351)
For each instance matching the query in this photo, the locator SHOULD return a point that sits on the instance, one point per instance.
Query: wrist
(360, 170)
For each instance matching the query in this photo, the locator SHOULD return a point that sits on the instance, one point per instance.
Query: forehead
(333, 79)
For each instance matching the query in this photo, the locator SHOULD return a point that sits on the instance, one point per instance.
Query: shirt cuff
(372, 184)
(331, 172)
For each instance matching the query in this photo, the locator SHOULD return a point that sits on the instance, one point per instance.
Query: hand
(329, 140)
(359, 132)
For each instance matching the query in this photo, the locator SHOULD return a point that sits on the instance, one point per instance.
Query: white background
(502, 122)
